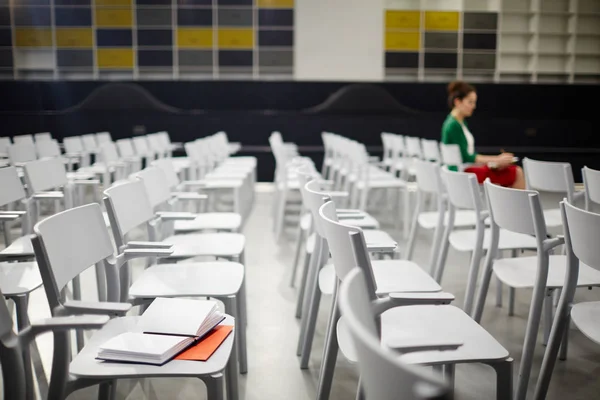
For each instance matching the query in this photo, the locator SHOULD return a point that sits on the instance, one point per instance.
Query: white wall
(339, 40)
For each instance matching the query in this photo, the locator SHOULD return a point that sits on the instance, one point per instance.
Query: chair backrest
(549, 176)
(103, 137)
(515, 209)
(46, 174)
(450, 154)
(21, 153)
(413, 147)
(108, 153)
(23, 139)
(314, 198)
(166, 165)
(140, 144)
(431, 150)
(591, 184)
(125, 147)
(427, 175)
(127, 206)
(4, 143)
(582, 228)
(89, 142)
(47, 148)
(12, 188)
(42, 136)
(383, 375)
(68, 243)
(463, 189)
(156, 184)
(73, 144)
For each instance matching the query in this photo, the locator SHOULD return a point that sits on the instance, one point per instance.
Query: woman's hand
(504, 160)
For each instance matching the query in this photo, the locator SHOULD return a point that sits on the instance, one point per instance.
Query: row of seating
(59, 243)
(486, 220)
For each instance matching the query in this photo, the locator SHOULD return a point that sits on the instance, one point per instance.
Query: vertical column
(6, 54)
(114, 37)
(275, 37)
(33, 51)
(402, 43)
(195, 37)
(74, 37)
(235, 38)
(154, 37)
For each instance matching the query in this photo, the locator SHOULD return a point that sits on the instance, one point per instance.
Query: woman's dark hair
(458, 90)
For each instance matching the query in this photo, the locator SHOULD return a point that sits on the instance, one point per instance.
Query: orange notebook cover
(202, 350)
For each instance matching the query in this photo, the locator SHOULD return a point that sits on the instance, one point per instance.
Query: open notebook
(166, 328)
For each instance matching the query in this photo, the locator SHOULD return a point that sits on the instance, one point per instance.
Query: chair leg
(511, 301)
(299, 243)
(483, 290)
(241, 323)
(280, 221)
(21, 305)
(311, 318)
(232, 364)
(504, 379)
(79, 338)
(214, 387)
(498, 293)
(330, 350)
(564, 346)
(547, 315)
(300, 301)
(360, 391)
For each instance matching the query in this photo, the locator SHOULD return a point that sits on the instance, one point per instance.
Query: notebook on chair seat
(165, 329)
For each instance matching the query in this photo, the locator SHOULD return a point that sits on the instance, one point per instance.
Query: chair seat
(20, 247)
(206, 244)
(552, 217)
(586, 316)
(17, 278)
(432, 322)
(463, 219)
(464, 240)
(519, 272)
(382, 184)
(223, 174)
(222, 183)
(390, 275)
(85, 365)
(368, 222)
(80, 175)
(220, 221)
(372, 236)
(189, 279)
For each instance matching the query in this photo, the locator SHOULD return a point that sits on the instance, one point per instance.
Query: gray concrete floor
(274, 371)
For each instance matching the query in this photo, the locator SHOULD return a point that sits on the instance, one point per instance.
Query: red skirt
(503, 177)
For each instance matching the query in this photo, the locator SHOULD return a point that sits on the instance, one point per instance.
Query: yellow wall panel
(74, 37)
(104, 3)
(441, 20)
(113, 17)
(276, 3)
(236, 38)
(402, 19)
(115, 58)
(402, 40)
(31, 37)
(196, 38)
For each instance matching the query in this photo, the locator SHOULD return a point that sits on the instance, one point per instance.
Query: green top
(452, 133)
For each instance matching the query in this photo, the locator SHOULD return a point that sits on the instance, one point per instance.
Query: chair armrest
(13, 212)
(130, 254)
(8, 217)
(198, 183)
(549, 244)
(147, 245)
(381, 247)
(176, 216)
(422, 298)
(411, 345)
(76, 307)
(56, 324)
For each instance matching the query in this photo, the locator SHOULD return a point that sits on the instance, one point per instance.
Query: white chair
(554, 177)
(521, 211)
(23, 139)
(42, 136)
(581, 232)
(127, 154)
(416, 318)
(591, 185)
(74, 149)
(431, 150)
(450, 156)
(463, 193)
(4, 143)
(383, 374)
(103, 137)
(390, 276)
(66, 245)
(20, 153)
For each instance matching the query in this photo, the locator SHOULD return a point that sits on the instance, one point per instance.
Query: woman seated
(462, 99)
